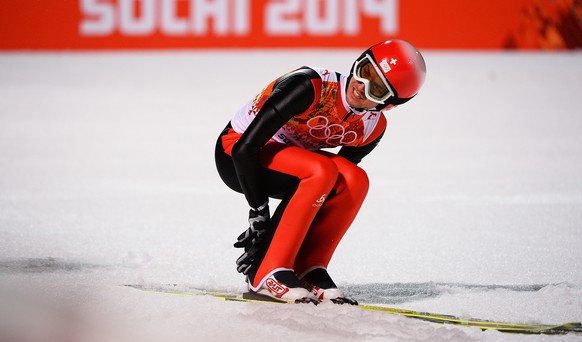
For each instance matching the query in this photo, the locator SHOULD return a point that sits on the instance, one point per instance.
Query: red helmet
(402, 66)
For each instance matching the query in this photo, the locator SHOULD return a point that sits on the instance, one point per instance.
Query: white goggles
(376, 87)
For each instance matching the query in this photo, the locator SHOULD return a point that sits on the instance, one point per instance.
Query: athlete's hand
(250, 238)
(258, 222)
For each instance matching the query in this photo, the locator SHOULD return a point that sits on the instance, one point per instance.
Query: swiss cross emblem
(393, 61)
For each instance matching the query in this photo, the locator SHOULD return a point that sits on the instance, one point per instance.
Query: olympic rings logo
(334, 134)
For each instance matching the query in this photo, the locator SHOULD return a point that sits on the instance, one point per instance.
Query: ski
(248, 297)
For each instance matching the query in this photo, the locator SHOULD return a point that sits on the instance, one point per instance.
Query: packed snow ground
(107, 178)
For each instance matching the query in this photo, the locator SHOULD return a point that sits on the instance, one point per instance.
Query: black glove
(250, 239)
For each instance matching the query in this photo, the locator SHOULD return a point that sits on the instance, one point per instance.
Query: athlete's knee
(356, 180)
(322, 167)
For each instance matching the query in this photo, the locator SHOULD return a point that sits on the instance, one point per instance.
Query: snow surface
(107, 178)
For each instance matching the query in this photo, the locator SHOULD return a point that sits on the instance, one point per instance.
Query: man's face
(355, 95)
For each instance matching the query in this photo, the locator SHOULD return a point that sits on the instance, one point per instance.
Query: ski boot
(283, 286)
(320, 284)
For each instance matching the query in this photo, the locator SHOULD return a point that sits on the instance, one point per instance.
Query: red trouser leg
(334, 218)
(317, 175)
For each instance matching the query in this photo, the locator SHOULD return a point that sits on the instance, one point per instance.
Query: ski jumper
(272, 147)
